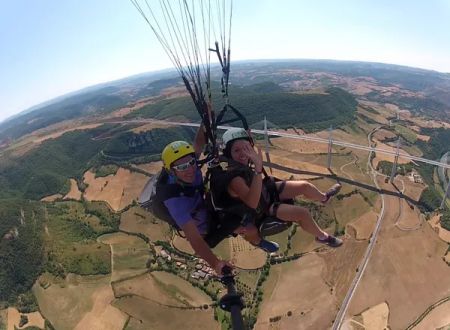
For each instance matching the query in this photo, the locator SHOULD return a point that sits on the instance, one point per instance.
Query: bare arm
(238, 188)
(199, 141)
(249, 195)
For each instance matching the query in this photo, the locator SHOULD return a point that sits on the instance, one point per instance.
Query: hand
(220, 264)
(255, 158)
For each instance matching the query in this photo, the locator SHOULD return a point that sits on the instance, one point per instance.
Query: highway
(298, 137)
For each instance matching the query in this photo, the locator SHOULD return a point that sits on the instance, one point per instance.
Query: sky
(52, 47)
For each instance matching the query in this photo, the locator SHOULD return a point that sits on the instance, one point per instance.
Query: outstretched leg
(291, 189)
(302, 216)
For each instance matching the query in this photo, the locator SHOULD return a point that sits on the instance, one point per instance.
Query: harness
(232, 209)
(157, 190)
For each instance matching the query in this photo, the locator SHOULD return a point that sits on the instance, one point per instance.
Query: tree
(445, 220)
(23, 320)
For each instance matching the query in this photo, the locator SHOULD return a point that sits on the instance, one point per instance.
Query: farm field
(146, 283)
(117, 190)
(403, 260)
(152, 315)
(79, 301)
(137, 220)
(129, 255)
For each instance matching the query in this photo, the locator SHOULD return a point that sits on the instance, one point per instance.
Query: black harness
(232, 209)
(159, 190)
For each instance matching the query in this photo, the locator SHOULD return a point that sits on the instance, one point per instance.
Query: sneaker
(332, 192)
(330, 241)
(268, 246)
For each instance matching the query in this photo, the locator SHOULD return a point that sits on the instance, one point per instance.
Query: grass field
(180, 289)
(70, 240)
(67, 302)
(281, 239)
(350, 208)
(301, 242)
(137, 220)
(117, 190)
(297, 287)
(152, 288)
(129, 255)
(222, 250)
(151, 315)
(363, 226)
(407, 133)
(244, 255)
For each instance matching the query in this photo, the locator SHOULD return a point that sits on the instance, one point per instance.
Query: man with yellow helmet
(182, 195)
(185, 201)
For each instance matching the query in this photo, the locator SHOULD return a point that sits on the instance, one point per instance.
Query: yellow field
(390, 158)
(181, 289)
(182, 244)
(65, 130)
(102, 315)
(152, 315)
(438, 318)
(77, 299)
(149, 127)
(301, 242)
(117, 190)
(297, 287)
(350, 208)
(374, 318)
(407, 269)
(382, 134)
(244, 255)
(301, 146)
(152, 167)
(363, 226)
(146, 286)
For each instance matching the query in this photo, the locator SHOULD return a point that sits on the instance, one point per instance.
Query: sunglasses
(185, 166)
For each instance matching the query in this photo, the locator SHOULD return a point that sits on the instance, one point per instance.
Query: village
(197, 268)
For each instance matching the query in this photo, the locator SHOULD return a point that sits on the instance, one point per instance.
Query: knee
(302, 185)
(301, 214)
(308, 185)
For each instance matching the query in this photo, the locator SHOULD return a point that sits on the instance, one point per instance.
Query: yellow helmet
(174, 151)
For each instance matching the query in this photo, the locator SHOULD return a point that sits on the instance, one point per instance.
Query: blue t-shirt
(184, 208)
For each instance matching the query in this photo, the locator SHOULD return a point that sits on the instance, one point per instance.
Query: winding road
(351, 291)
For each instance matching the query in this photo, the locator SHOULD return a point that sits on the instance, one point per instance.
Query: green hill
(21, 255)
(311, 112)
(88, 104)
(47, 169)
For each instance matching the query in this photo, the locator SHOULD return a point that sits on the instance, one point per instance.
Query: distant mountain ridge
(432, 89)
